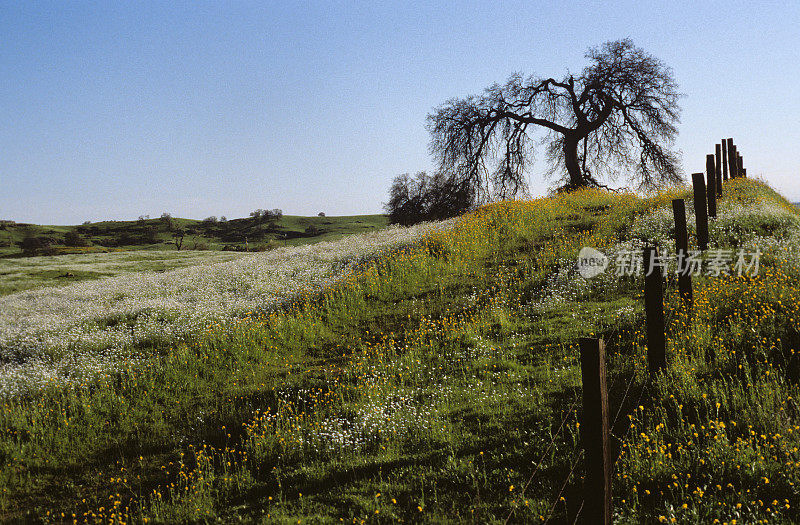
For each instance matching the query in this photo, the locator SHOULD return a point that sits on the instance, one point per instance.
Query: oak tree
(616, 118)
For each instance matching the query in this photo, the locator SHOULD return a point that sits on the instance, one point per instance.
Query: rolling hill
(246, 234)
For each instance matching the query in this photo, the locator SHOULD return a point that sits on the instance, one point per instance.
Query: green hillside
(248, 234)
(440, 383)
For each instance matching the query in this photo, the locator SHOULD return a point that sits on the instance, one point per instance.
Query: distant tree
(73, 238)
(31, 244)
(426, 198)
(208, 223)
(223, 219)
(321, 214)
(86, 223)
(618, 117)
(178, 236)
(260, 215)
(166, 219)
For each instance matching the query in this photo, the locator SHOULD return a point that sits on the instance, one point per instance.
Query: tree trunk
(571, 163)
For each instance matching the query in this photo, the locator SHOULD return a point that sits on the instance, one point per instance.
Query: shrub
(75, 239)
(32, 245)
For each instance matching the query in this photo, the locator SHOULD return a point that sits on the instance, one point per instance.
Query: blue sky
(112, 110)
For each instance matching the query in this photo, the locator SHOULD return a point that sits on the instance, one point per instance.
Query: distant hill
(251, 234)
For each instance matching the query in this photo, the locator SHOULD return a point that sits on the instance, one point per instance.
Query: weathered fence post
(700, 210)
(724, 160)
(731, 158)
(718, 168)
(711, 176)
(594, 433)
(740, 168)
(682, 251)
(654, 312)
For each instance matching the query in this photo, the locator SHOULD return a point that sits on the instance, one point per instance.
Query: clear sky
(111, 110)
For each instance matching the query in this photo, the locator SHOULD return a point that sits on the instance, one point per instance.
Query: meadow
(243, 234)
(433, 377)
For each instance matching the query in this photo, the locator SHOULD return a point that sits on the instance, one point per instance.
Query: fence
(596, 508)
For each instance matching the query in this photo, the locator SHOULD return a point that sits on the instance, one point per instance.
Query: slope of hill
(252, 234)
(440, 382)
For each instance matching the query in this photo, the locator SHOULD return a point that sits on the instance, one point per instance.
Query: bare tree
(617, 117)
(178, 236)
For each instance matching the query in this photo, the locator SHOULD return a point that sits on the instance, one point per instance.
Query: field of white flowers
(54, 336)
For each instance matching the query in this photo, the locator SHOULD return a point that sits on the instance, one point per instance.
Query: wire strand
(572, 409)
(563, 486)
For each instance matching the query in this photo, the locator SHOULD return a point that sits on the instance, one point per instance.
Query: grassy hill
(157, 234)
(440, 382)
(33, 256)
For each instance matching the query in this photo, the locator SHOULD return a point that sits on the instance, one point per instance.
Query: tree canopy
(616, 119)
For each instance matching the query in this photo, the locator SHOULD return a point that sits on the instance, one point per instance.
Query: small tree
(31, 244)
(426, 198)
(166, 219)
(321, 214)
(178, 236)
(74, 239)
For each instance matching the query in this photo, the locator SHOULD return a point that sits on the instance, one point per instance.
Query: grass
(428, 384)
(116, 247)
(17, 274)
(156, 234)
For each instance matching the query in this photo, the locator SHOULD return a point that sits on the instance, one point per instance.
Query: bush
(75, 239)
(32, 245)
(427, 198)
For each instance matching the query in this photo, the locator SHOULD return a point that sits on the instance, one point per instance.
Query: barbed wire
(572, 409)
(564, 485)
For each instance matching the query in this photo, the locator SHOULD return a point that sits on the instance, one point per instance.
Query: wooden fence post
(731, 158)
(718, 168)
(740, 168)
(682, 251)
(711, 176)
(724, 160)
(700, 210)
(654, 312)
(594, 433)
